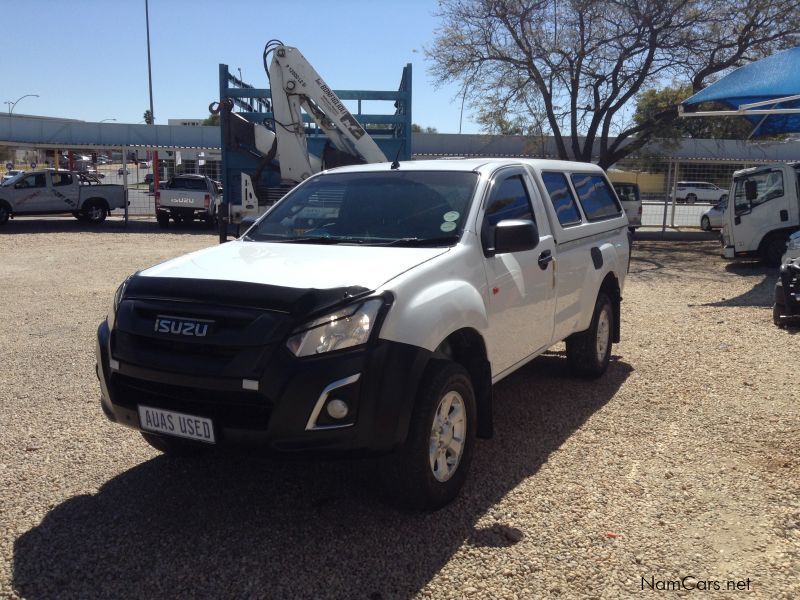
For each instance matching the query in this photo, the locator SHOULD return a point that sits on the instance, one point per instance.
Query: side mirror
(515, 235)
(750, 190)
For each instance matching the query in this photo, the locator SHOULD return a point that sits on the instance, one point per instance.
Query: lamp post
(11, 104)
(149, 71)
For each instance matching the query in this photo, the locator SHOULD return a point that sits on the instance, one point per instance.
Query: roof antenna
(396, 163)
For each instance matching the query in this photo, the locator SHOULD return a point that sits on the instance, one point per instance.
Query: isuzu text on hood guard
(369, 312)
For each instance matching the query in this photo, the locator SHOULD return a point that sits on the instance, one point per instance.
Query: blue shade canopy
(771, 78)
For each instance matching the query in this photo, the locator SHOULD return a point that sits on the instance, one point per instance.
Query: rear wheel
(588, 352)
(691, 198)
(430, 468)
(174, 446)
(163, 219)
(705, 223)
(95, 211)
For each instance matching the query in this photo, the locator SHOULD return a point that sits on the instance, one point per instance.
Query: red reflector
(207, 200)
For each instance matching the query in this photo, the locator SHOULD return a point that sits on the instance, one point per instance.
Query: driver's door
(520, 284)
(32, 194)
(768, 211)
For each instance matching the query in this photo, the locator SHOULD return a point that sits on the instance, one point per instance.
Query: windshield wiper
(416, 241)
(323, 240)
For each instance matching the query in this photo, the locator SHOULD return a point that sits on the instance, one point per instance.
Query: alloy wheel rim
(603, 333)
(448, 434)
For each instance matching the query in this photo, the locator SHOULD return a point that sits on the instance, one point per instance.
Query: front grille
(239, 410)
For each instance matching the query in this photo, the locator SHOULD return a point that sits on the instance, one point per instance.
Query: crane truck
(295, 128)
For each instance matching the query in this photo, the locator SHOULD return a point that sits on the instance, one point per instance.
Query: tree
(212, 120)
(419, 129)
(578, 65)
(650, 103)
(148, 117)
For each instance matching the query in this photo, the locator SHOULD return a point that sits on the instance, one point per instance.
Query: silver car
(713, 218)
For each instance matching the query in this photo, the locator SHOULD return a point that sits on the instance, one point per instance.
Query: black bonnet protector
(296, 302)
(246, 322)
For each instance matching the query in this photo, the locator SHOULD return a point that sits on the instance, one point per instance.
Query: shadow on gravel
(27, 226)
(238, 526)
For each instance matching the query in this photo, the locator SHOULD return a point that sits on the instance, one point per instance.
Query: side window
(61, 179)
(508, 200)
(561, 196)
(597, 199)
(769, 185)
(34, 181)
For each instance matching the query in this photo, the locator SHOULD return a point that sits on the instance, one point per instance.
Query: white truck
(765, 211)
(370, 311)
(186, 198)
(54, 192)
(295, 87)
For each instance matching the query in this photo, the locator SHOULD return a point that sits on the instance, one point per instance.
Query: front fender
(427, 316)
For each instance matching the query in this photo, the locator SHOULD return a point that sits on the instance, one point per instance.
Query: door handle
(544, 259)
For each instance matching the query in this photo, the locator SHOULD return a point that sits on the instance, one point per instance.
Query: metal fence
(664, 203)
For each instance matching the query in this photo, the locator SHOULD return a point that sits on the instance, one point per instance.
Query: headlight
(112, 313)
(345, 328)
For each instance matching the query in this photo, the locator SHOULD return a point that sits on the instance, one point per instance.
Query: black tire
(691, 198)
(163, 219)
(779, 308)
(95, 211)
(5, 212)
(587, 354)
(409, 473)
(175, 446)
(705, 223)
(210, 221)
(772, 251)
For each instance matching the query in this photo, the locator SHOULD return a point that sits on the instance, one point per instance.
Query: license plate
(178, 424)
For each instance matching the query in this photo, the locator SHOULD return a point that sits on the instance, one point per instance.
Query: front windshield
(373, 208)
(14, 179)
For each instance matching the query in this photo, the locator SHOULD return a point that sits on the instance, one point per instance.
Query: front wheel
(5, 213)
(429, 470)
(588, 352)
(705, 224)
(772, 251)
(691, 199)
(162, 218)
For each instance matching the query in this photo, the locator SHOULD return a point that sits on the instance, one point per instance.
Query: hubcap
(603, 333)
(448, 432)
(95, 213)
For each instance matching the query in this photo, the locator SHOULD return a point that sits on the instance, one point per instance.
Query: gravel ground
(682, 461)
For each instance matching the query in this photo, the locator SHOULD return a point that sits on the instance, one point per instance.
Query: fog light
(337, 409)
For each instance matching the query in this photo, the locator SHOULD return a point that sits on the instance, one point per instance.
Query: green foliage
(652, 102)
(148, 117)
(419, 129)
(212, 120)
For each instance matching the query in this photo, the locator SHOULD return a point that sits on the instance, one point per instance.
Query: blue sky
(87, 59)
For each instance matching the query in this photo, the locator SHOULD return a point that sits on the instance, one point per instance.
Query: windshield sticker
(450, 216)
(448, 226)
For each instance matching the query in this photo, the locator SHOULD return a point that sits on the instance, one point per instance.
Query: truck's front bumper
(288, 410)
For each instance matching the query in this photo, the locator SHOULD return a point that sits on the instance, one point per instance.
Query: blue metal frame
(255, 104)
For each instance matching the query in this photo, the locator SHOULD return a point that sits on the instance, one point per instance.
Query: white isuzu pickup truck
(55, 192)
(369, 312)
